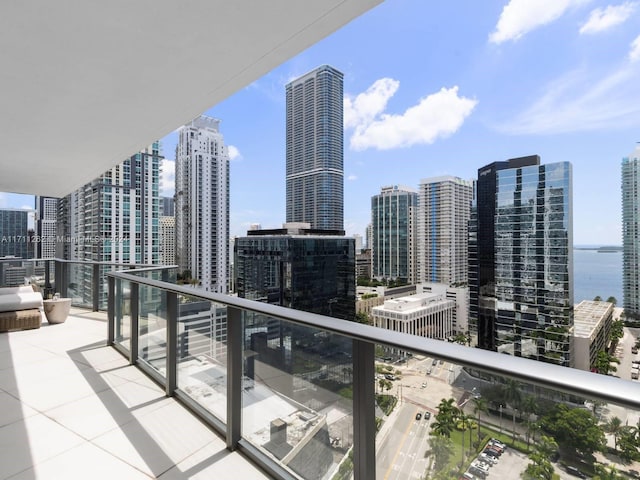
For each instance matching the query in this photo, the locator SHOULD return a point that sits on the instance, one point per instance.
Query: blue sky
(435, 88)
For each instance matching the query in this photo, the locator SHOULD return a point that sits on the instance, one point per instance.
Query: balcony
(173, 382)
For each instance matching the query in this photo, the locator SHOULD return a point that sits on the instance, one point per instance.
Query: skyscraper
(202, 204)
(14, 235)
(521, 260)
(299, 268)
(631, 233)
(113, 218)
(315, 171)
(444, 206)
(46, 218)
(393, 246)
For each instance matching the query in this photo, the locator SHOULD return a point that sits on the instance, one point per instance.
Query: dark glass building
(304, 269)
(15, 240)
(521, 262)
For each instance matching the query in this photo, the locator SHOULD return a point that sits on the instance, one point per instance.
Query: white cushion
(14, 290)
(20, 301)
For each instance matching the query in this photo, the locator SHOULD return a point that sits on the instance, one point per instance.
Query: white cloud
(234, 153)
(602, 19)
(580, 101)
(634, 53)
(366, 106)
(352, 177)
(168, 178)
(4, 200)
(519, 17)
(435, 116)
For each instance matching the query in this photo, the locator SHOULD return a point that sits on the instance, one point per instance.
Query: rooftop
(587, 315)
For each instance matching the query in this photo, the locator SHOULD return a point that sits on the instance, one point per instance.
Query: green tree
(362, 317)
(575, 429)
(606, 472)
(513, 397)
(614, 427)
(528, 406)
(627, 443)
(617, 330)
(479, 406)
(540, 466)
(612, 300)
(598, 298)
(445, 419)
(441, 450)
(603, 363)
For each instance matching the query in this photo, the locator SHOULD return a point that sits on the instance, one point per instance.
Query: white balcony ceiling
(84, 84)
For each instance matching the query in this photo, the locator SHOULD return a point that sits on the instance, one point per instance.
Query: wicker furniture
(19, 308)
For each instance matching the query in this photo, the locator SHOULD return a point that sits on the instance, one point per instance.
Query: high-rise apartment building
(46, 219)
(315, 170)
(521, 259)
(113, 218)
(15, 240)
(631, 233)
(167, 240)
(393, 233)
(444, 209)
(202, 204)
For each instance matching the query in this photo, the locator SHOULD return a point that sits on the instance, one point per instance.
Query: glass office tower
(521, 262)
(393, 245)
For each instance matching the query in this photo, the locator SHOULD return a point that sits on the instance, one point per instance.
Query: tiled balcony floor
(71, 408)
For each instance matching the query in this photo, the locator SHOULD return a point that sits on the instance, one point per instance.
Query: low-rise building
(426, 315)
(591, 326)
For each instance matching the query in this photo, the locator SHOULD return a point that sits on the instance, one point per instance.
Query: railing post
(57, 281)
(95, 284)
(364, 413)
(234, 377)
(111, 311)
(134, 306)
(172, 343)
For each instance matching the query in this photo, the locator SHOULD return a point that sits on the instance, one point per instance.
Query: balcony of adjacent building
(147, 378)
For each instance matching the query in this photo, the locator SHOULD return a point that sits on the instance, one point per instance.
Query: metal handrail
(569, 380)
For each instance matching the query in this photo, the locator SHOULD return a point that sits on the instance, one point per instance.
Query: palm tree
(528, 405)
(513, 397)
(614, 427)
(464, 421)
(445, 419)
(480, 405)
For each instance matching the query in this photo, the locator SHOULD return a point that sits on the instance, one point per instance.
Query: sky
(444, 88)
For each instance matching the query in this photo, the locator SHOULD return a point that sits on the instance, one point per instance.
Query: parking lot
(510, 465)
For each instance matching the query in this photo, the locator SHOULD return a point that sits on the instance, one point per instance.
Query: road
(401, 453)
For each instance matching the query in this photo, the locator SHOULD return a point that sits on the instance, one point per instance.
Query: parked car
(418, 416)
(575, 472)
(480, 465)
(499, 443)
(488, 459)
(492, 452)
(427, 415)
(477, 472)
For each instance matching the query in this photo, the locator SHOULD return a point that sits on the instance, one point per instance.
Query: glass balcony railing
(312, 397)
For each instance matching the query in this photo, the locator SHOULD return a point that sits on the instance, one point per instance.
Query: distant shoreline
(601, 249)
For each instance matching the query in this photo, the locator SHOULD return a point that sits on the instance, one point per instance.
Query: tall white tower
(442, 222)
(202, 204)
(315, 163)
(631, 233)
